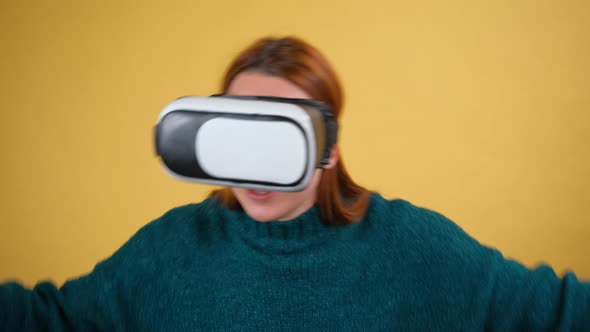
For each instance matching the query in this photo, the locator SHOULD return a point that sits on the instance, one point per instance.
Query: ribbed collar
(305, 231)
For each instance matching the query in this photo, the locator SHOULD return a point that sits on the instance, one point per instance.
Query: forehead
(260, 84)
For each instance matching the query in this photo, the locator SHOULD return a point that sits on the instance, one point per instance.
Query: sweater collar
(308, 229)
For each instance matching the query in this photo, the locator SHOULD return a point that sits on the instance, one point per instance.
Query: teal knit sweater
(203, 267)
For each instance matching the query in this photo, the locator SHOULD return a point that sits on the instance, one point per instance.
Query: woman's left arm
(537, 300)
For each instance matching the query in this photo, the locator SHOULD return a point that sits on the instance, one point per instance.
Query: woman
(331, 257)
(293, 69)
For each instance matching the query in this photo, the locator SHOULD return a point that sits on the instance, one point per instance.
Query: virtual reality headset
(263, 143)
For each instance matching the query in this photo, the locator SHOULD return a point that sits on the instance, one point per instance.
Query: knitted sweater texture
(203, 267)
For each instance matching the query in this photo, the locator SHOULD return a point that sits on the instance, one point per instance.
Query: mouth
(259, 195)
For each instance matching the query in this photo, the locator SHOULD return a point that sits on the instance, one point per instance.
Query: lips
(259, 195)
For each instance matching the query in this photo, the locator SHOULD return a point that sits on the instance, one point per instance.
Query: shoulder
(176, 226)
(425, 231)
(171, 234)
(185, 218)
(401, 213)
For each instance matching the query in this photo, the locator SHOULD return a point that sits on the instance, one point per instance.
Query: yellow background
(477, 109)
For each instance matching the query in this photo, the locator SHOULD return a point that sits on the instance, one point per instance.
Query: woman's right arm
(99, 301)
(80, 305)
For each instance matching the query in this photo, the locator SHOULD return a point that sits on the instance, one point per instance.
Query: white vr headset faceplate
(256, 144)
(261, 159)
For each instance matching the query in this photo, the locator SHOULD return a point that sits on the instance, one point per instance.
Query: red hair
(340, 199)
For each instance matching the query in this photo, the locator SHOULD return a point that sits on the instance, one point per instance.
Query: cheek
(237, 191)
(241, 195)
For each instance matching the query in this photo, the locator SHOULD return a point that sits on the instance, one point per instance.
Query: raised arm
(100, 301)
(537, 300)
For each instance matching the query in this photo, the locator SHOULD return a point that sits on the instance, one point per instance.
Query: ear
(334, 157)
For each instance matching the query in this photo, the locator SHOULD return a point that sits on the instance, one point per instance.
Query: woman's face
(273, 205)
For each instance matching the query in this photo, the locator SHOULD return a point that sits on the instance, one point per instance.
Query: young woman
(331, 257)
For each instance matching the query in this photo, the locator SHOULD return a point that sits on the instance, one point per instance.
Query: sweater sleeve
(99, 301)
(74, 307)
(512, 296)
(537, 300)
